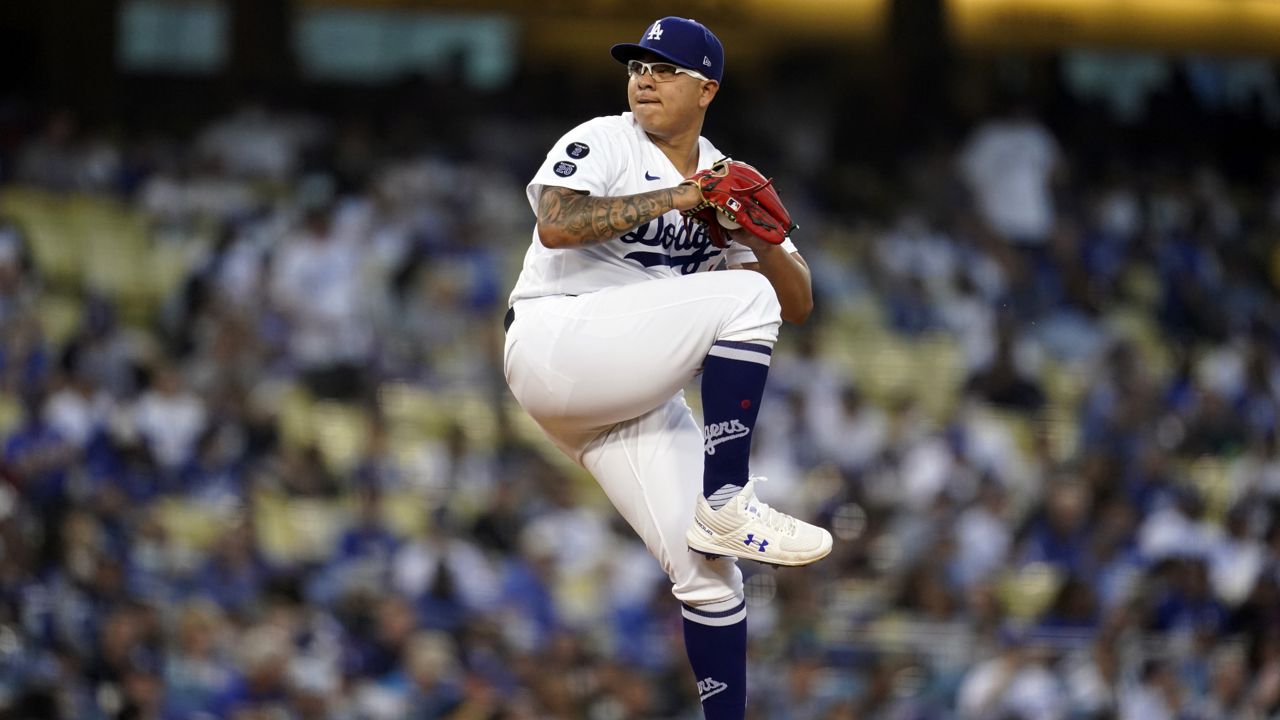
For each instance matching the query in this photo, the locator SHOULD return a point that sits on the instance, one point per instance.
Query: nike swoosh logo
(647, 176)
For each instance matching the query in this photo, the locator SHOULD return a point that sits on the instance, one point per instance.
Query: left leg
(648, 468)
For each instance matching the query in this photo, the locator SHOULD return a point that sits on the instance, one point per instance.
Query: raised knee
(749, 306)
(760, 295)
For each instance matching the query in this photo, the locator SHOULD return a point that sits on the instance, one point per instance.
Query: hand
(742, 194)
(686, 196)
(758, 245)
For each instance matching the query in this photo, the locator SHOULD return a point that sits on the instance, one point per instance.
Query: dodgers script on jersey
(610, 157)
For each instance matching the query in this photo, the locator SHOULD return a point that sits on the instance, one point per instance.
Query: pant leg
(651, 470)
(603, 375)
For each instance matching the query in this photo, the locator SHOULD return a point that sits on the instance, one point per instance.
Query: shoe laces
(779, 521)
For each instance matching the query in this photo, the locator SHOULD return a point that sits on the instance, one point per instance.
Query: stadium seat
(1027, 591)
(341, 432)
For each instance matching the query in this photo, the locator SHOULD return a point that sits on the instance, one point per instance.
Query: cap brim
(626, 52)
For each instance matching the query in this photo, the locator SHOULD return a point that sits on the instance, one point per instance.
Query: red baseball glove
(736, 194)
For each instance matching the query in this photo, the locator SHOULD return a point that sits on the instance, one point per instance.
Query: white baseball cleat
(750, 529)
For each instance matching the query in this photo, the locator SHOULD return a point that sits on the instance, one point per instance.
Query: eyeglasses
(661, 71)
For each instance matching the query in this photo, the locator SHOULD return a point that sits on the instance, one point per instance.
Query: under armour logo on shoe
(760, 544)
(709, 687)
(655, 32)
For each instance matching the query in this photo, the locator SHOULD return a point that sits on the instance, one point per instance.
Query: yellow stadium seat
(410, 410)
(168, 264)
(405, 513)
(1138, 326)
(10, 414)
(1211, 477)
(474, 413)
(1063, 384)
(1018, 425)
(341, 432)
(1063, 431)
(55, 246)
(294, 417)
(1028, 591)
(60, 317)
(298, 529)
(192, 525)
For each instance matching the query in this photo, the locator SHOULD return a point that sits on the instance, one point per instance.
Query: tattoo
(585, 220)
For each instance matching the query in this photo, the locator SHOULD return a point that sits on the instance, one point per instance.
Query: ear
(708, 93)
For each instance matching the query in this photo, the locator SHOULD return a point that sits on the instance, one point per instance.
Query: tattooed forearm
(567, 218)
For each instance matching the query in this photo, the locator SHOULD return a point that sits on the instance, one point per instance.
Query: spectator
(1093, 679)
(856, 436)
(1017, 683)
(38, 456)
(170, 418)
(260, 687)
(316, 282)
(235, 574)
(362, 560)
(1156, 696)
(428, 687)
(1059, 535)
(54, 159)
(79, 410)
(1010, 164)
(1004, 381)
(19, 286)
(197, 669)
(1227, 695)
(982, 536)
(1188, 605)
(447, 577)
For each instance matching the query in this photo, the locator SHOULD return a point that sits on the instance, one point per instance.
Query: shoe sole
(717, 552)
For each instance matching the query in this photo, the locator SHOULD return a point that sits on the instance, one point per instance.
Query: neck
(681, 149)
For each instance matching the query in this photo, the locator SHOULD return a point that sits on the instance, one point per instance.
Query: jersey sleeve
(584, 159)
(739, 254)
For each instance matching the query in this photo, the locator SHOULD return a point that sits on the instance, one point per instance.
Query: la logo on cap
(655, 33)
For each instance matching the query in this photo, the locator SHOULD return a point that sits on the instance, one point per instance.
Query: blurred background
(259, 461)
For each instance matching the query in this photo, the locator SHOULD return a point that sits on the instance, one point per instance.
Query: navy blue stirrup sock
(733, 379)
(716, 641)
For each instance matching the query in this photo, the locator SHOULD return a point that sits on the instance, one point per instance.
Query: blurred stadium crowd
(259, 460)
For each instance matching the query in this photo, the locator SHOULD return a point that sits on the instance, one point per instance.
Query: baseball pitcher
(616, 309)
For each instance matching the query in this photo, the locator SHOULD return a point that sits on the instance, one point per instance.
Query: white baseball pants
(603, 375)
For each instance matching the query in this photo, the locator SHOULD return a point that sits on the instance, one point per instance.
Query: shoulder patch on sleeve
(577, 150)
(564, 168)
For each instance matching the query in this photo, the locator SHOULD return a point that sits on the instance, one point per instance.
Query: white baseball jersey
(609, 157)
